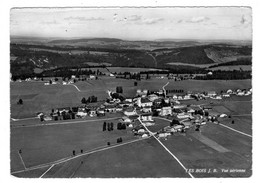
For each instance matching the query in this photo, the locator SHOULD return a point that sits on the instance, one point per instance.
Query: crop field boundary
(210, 143)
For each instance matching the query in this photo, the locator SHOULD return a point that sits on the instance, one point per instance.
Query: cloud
(152, 20)
(49, 22)
(134, 18)
(180, 21)
(198, 19)
(84, 18)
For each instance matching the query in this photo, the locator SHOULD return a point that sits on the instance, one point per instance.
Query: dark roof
(145, 100)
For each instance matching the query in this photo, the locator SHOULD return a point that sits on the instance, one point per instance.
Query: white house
(212, 94)
(182, 116)
(218, 97)
(166, 111)
(229, 91)
(226, 95)
(186, 97)
(146, 109)
(130, 112)
(241, 93)
(153, 97)
(147, 117)
(125, 119)
(175, 97)
(144, 102)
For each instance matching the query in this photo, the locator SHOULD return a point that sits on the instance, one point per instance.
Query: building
(212, 94)
(125, 119)
(146, 109)
(166, 111)
(144, 102)
(130, 112)
(147, 117)
(152, 97)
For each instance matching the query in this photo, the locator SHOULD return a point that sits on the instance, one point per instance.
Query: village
(140, 111)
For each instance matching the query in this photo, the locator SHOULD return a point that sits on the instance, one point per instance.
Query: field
(47, 146)
(40, 98)
(233, 67)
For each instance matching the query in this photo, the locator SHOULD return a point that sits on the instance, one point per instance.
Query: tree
(104, 126)
(83, 100)
(119, 126)
(108, 127)
(119, 89)
(20, 102)
(111, 126)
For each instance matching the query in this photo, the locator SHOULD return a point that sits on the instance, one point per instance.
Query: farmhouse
(152, 97)
(92, 112)
(130, 112)
(110, 109)
(143, 102)
(141, 93)
(146, 109)
(225, 95)
(212, 94)
(125, 119)
(165, 111)
(147, 117)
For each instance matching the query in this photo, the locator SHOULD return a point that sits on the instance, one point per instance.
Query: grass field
(43, 144)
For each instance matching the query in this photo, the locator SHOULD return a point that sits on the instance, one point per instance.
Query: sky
(214, 23)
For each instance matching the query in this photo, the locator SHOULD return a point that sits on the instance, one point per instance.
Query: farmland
(47, 146)
(40, 98)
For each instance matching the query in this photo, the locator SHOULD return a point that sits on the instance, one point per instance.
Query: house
(130, 112)
(143, 93)
(240, 93)
(129, 100)
(218, 97)
(175, 97)
(81, 113)
(119, 108)
(126, 104)
(146, 109)
(180, 97)
(212, 94)
(225, 95)
(186, 97)
(229, 91)
(183, 115)
(101, 112)
(92, 112)
(152, 97)
(147, 117)
(110, 109)
(125, 119)
(143, 102)
(166, 111)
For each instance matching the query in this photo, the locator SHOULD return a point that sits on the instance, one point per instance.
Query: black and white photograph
(131, 92)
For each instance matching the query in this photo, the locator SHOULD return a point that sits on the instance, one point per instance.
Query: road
(152, 134)
(64, 123)
(164, 91)
(155, 61)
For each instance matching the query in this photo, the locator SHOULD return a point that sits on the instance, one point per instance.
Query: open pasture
(207, 85)
(43, 144)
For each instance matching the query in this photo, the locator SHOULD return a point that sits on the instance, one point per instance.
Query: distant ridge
(85, 40)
